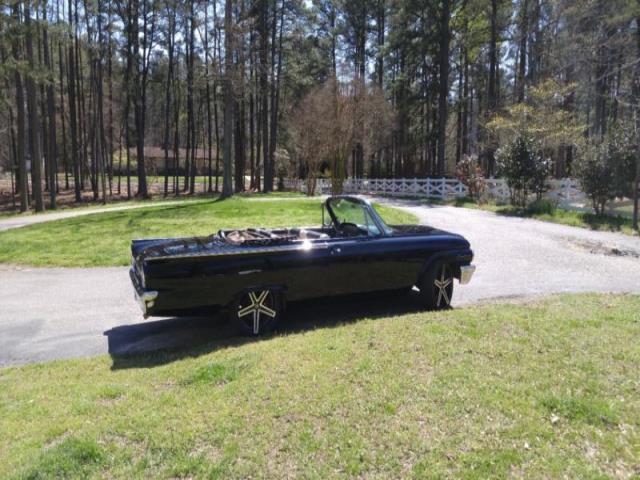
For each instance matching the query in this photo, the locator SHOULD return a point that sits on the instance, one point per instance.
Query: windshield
(346, 210)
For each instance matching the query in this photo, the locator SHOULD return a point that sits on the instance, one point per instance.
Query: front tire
(436, 287)
(257, 312)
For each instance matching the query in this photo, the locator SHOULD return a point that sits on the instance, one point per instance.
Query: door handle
(335, 250)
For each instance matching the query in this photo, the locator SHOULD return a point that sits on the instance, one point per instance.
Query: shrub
(524, 167)
(470, 173)
(602, 173)
(542, 206)
(623, 144)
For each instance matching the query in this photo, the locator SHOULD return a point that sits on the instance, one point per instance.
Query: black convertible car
(254, 271)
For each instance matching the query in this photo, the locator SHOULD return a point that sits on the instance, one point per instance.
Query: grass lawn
(156, 199)
(545, 390)
(623, 208)
(103, 239)
(609, 223)
(97, 205)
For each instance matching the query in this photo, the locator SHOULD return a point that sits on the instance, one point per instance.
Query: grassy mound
(544, 390)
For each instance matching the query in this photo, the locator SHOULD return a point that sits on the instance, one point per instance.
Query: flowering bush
(470, 173)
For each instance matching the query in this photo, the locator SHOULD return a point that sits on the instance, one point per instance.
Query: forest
(239, 95)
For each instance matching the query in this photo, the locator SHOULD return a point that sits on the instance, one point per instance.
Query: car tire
(257, 312)
(436, 286)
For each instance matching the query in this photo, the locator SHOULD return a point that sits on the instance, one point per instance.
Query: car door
(350, 266)
(374, 264)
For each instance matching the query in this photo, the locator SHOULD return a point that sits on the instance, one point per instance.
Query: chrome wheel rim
(254, 307)
(443, 284)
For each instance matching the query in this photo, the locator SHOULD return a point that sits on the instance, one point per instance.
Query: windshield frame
(383, 228)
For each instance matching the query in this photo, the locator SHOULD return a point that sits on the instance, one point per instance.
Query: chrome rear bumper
(146, 301)
(145, 298)
(466, 272)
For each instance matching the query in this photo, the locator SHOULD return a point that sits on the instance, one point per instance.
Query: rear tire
(436, 286)
(257, 312)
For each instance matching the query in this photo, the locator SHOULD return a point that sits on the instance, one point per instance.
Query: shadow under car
(159, 342)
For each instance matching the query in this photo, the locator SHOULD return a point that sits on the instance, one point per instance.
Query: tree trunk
(63, 122)
(264, 92)
(275, 91)
(444, 84)
(493, 56)
(176, 133)
(459, 109)
(32, 106)
(636, 99)
(110, 83)
(51, 113)
(82, 119)
(22, 181)
(252, 136)
(218, 51)
(167, 103)
(101, 149)
(191, 124)
(228, 98)
(140, 94)
(522, 61)
(75, 161)
(240, 156)
(380, 40)
(465, 107)
(208, 100)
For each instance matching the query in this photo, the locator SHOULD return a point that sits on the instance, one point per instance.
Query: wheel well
(454, 264)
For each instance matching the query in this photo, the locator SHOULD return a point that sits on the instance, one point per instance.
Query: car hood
(425, 230)
(404, 230)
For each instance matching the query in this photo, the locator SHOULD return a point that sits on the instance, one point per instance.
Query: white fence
(562, 191)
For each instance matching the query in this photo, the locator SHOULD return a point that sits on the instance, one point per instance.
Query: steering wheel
(349, 229)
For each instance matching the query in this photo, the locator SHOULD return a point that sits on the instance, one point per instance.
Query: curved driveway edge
(526, 257)
(51, 313)
(23, 220)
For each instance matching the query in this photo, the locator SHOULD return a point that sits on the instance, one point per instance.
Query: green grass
(98, 206)
(156, 199)
(608, 223)
(103, 239)
(577, 219)
(545, 390)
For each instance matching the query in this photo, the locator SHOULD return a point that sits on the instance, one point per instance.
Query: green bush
(603, 173)
(523, 165)
(542, 206)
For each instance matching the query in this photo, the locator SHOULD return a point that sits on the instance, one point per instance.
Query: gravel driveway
(524, 257)
(50, 313)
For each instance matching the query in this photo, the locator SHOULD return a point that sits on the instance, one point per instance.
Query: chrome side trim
(243, 251)
(466, 272)
(248, 272)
